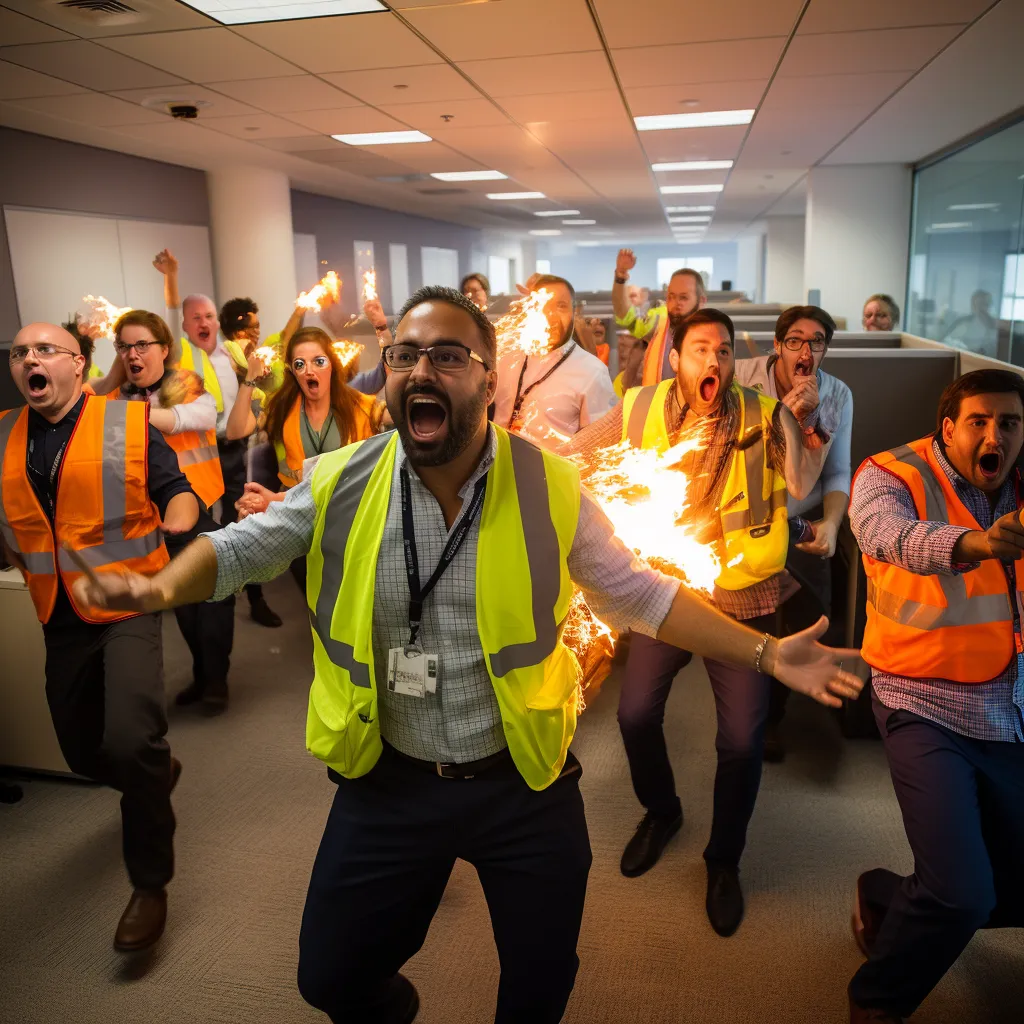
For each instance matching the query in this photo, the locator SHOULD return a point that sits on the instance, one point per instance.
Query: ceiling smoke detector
(180, 107)
(103, 13)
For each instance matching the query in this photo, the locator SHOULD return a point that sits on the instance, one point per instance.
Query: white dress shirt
(223, 365)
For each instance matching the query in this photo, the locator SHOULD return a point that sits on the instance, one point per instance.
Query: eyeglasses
(45, 352)
(142, 347)
(320, 362)
(795, 344)
(448, 356)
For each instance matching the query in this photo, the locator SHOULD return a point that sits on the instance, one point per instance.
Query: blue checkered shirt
(887, 526)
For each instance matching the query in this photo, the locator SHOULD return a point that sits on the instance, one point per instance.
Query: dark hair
(788, 317)
(545, 279)
(234, 316)
(977, 382)
(706, 315)
(484, 283)
(439, 293)
(85, 343)
(894, 310)
(695, 274)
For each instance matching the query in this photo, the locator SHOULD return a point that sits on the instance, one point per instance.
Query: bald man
(104, 672)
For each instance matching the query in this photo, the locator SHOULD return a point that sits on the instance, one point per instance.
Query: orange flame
(525, 327)
(369, 285)
(348, 351)
(103, 313)
(327, 291)
(266, 355)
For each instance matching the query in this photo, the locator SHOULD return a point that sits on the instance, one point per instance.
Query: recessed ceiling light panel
(382, 138)
(579, 221)
(689, 209)
(974, 206)
(694, 165)
(689, 220)
(702, 119)
(516, 195)
(672, 190)
(469, 175)
(545, 232)
(251, 12)
(555, 213)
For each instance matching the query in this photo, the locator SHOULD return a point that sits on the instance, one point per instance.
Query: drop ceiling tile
(790, 97)
(520, 76)
(512, 28)
(350, 43)
(563, 106)
(724, 19)
(254, 126)
(693, 143)
(837, 53)
(92, 108)
(203, 54)
(281, 95)
(20, 83)
(148, 16)
(87, 64)
(16, 29)
(347, 120)
(383, 86)
(428, 117)
(432, 156)
(698, 63)
(300, 143)
(668, 99)
(219, 105)
(843, 16)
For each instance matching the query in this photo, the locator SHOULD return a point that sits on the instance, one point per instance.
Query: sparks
(369, 285)
(525, 327)
(348, 351)
(103, 313)
(322, 294)
(593, 643)
(266, 355)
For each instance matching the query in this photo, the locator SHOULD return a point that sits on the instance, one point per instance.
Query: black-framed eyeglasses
(446, 356)
(795, 344)
(142, 347)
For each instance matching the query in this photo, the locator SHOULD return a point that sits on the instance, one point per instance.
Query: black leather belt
(460, 770)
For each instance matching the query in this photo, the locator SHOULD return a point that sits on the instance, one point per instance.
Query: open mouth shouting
(204, 334)
(312, 383)
(38, 384)
(136, 367)
(426, 415)
(990, 464)
(804, 366)
(708, 388)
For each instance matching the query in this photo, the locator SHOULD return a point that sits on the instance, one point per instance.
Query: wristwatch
(620, 280)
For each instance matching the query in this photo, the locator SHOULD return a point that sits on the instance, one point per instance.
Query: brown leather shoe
(175, 772)
(864, 922)
(143, 921)
(863, 1015)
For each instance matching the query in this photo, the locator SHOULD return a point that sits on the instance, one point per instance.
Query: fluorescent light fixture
(545, 232)
(694, 165)
(250, 12)
(689, 220)
(469, 175)
(974, 206)
(950, 225)
(579, 221)
(590, 245)
(675, 190)
(704, 119)
(555, 213)
(382, 138)
(689, 209)
(516, 195)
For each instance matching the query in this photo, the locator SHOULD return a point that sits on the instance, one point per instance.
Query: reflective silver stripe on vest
(338, 520)
(193, 456)
(39, 563)
(115, 499)
(760, 509)
(542, 556)
(960, 609)
(638, 415)
(112, 551)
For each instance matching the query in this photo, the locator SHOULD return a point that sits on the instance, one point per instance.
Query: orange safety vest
(937, 627)
(289, 450)
(103, 510)
(198, 458)
(655, 356)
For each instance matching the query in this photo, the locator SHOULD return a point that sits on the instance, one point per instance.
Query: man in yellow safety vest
(441, 559)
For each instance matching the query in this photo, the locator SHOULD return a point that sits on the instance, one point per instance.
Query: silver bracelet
(759, 650)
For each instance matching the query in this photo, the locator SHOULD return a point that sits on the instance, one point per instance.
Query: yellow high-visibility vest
(204, 369)
(528, 522)
(753, 512)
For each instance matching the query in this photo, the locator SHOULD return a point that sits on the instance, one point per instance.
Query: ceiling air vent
(99, 6)
(442, 191)
(104, 13)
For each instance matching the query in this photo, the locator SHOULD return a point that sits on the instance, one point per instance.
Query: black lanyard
(418, 595)
(521, 395)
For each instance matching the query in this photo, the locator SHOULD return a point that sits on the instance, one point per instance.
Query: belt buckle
(442, 766)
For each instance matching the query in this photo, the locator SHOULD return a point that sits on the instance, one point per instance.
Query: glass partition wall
(966, 281)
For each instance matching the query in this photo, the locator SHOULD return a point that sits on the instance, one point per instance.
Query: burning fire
(369, 285)
(266, 355)
(591, 641)
(327, 291)
(525, 327)
(103, 313)
(348, 351)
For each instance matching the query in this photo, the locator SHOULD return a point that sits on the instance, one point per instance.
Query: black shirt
(47, 443)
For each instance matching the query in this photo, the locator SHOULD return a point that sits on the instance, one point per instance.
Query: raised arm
(624, 263)
(168, 266)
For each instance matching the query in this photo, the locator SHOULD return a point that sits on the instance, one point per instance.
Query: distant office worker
(880, 313)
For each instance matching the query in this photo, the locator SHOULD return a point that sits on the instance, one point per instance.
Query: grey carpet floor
(251, 805)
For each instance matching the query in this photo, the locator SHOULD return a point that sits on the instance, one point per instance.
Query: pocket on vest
(560, 683)
(341, 724)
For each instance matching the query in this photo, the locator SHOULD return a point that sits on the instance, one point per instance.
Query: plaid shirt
(461, 721)
(886, 525)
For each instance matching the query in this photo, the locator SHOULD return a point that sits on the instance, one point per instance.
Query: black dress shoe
(215, 699)
(407, 998)
(774, 749)
(143, 921)
(261, 612)
(725, 899)
(864, 922)
(644, 849)
(190, 695)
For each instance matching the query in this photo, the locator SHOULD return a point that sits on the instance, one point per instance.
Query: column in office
(784, 260)
(857, 235)
(252, 240)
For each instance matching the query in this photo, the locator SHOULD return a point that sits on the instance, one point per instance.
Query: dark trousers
(208, 627)
(391, 841)
(232, 465)
(105, 688)
(963, 810)
(741, 705)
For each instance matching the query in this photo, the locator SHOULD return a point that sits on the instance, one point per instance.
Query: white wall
(750, 266)
(857, 235)
(784, 260)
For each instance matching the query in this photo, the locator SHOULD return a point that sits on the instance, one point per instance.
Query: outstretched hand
(114, 591)
(807, 666)
(625, 261)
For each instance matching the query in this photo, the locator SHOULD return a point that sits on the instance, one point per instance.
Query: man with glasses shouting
(793, 375)
(440, 565)
(84, 481)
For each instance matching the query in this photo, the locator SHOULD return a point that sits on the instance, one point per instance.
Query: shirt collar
(485, 463)
(39, 421)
